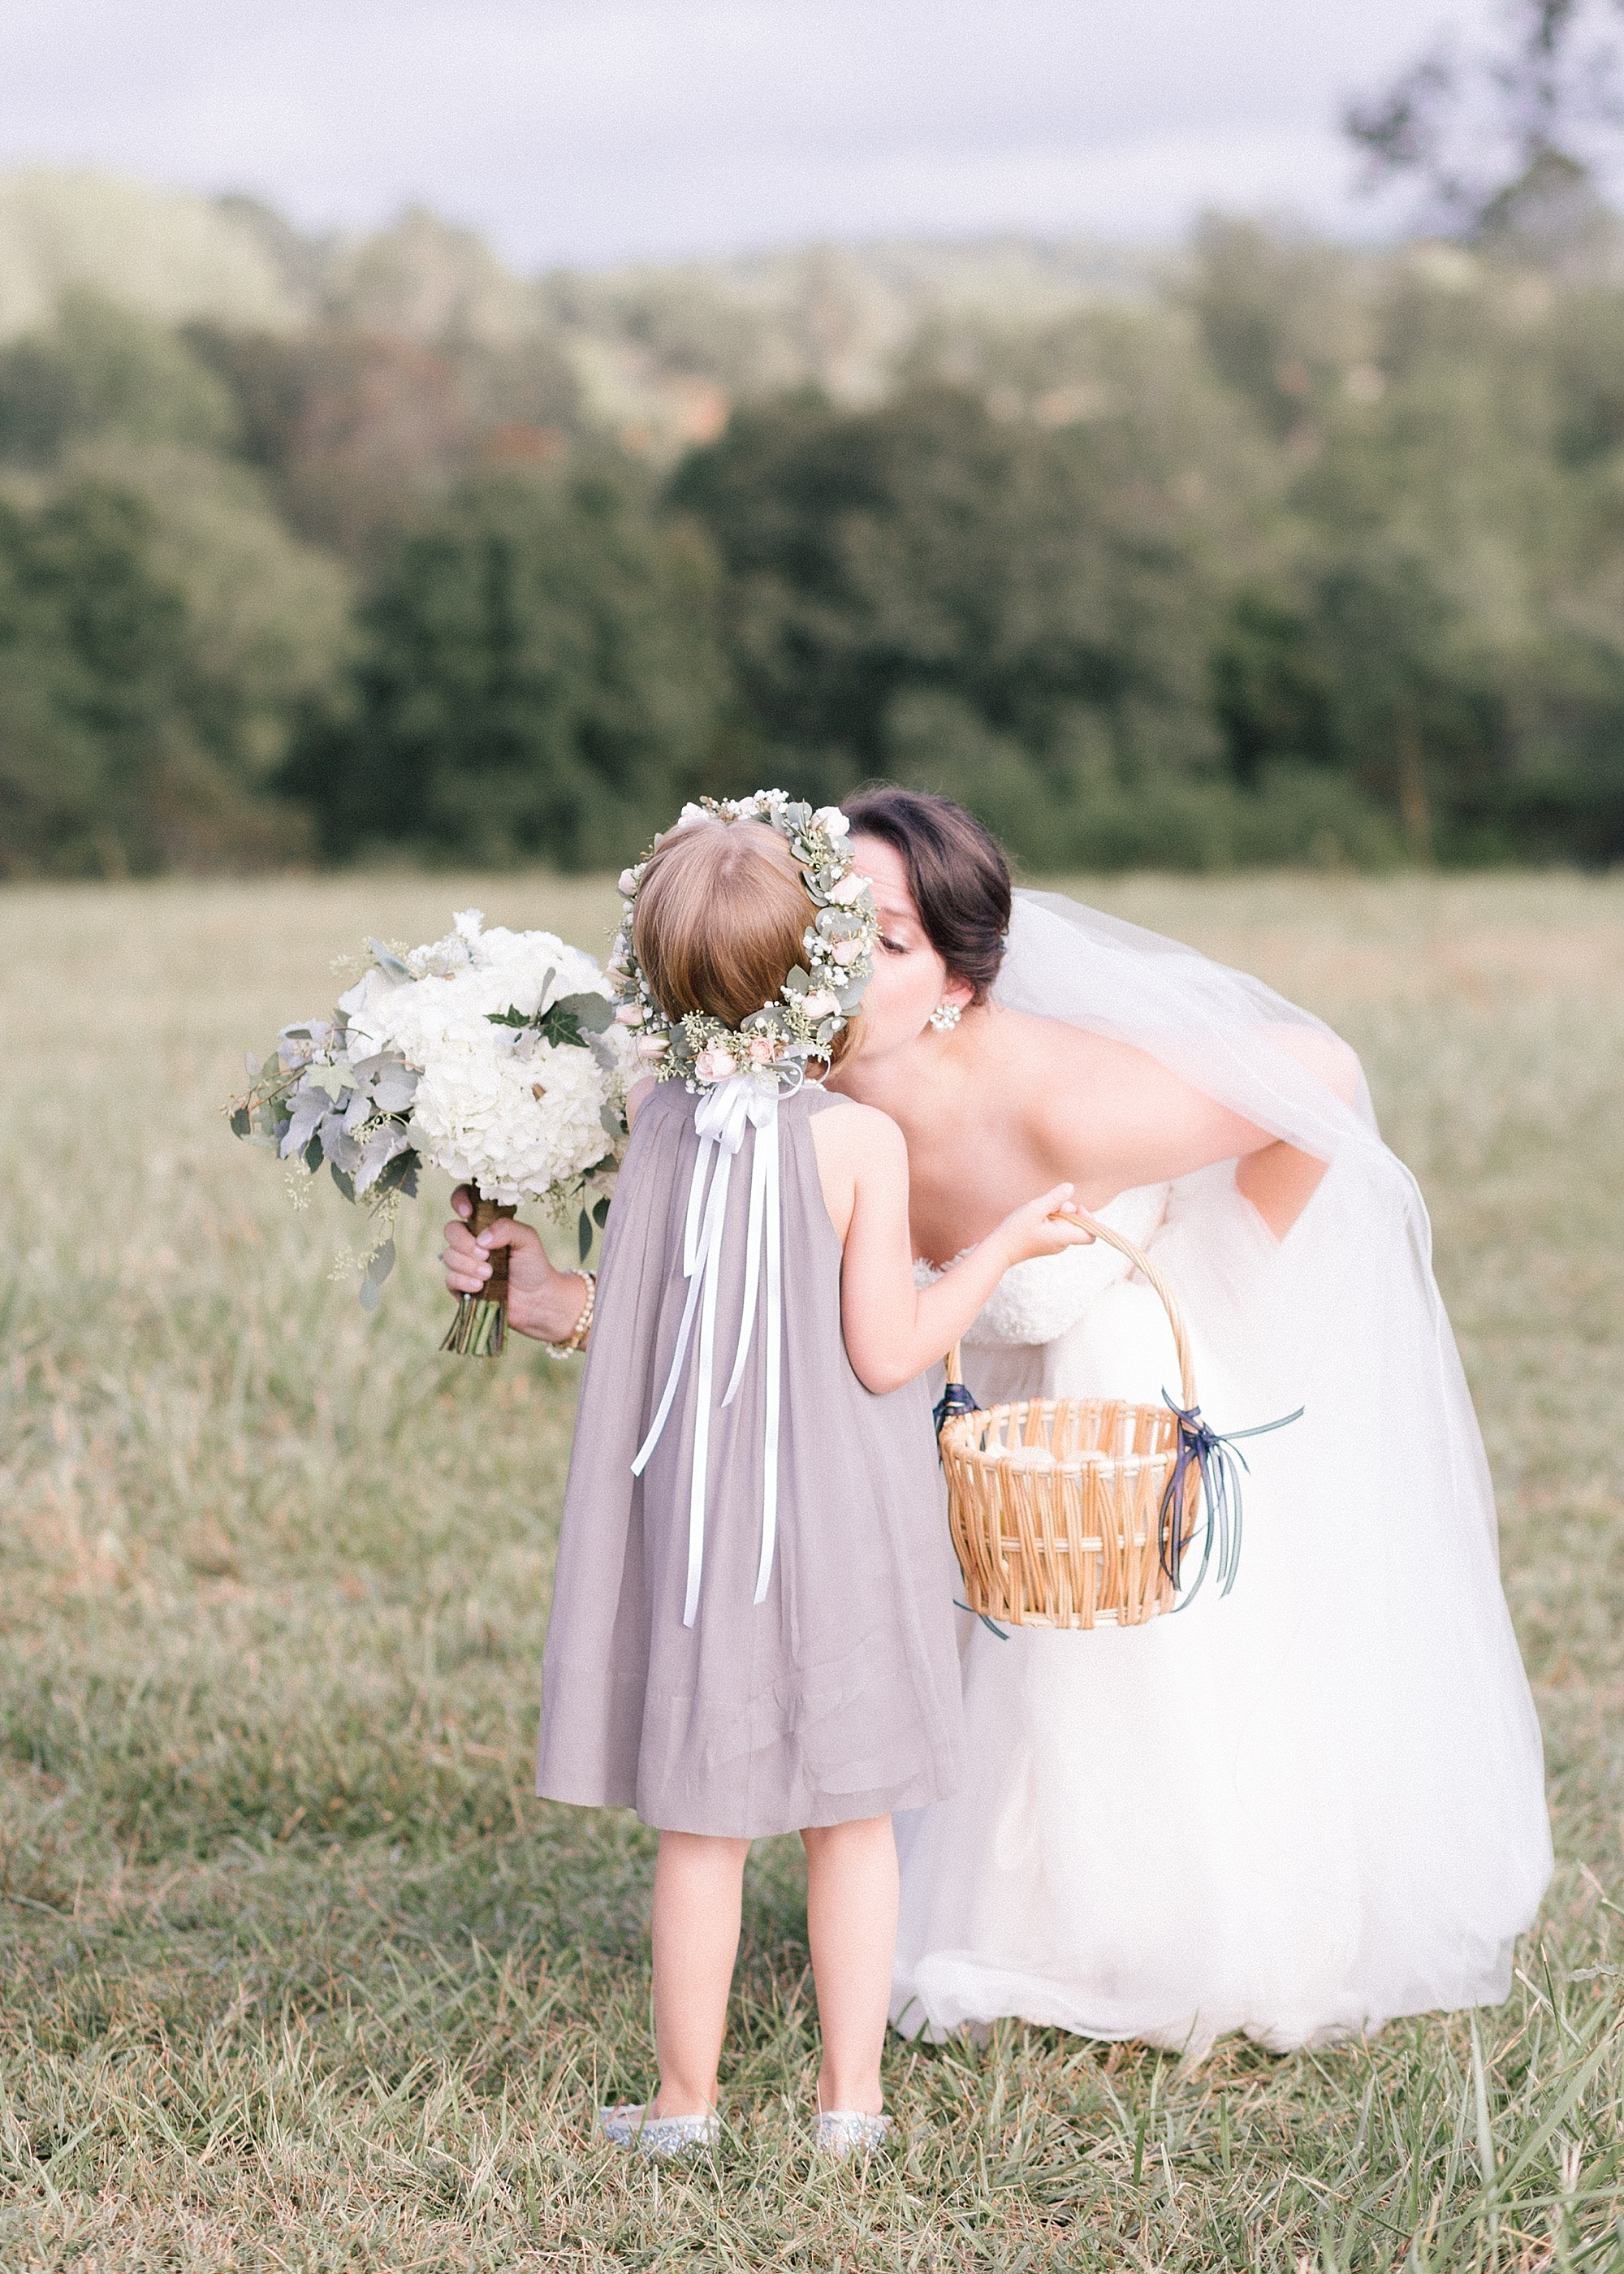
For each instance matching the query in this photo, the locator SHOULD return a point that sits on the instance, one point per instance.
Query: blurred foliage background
(1268, 549)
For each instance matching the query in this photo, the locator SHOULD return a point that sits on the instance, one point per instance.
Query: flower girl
(752, 1624)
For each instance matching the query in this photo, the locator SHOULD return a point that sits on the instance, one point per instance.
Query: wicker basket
(1059, 1507)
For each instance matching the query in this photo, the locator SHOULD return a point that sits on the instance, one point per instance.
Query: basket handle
(1170, 1304)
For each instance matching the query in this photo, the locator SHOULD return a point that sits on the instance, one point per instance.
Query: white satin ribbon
(721, 1118)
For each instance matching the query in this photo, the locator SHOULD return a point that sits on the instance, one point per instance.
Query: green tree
(355, 431)
(1506, 144)
(538, 679)
(114, 754)
(1431, 616)
(101, 367)
(1052, 603)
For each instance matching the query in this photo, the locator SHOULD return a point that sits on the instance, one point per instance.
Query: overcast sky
(591, 131)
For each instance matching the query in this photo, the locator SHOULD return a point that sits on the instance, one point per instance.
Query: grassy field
(299, 1976)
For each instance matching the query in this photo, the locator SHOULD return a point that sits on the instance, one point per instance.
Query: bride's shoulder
(1065, 1082)
(1046, 1050)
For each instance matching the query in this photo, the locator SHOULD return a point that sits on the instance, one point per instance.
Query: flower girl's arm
(541, 1301)
(894, 1329)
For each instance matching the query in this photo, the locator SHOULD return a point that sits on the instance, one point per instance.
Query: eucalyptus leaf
(310, 1108)
(798, 981)
(312, 1154)
(379, 1148)
(242, 1122)
(345, 1183)
(591, 1012)
(338, 1145)
(600, 1211)
(253, 1065)
(389, 1082)
(387, 961)
(381, 1264)
(398, 1174)
(585, 1234)
(369, 1294)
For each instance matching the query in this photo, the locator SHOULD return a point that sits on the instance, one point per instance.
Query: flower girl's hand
(541, 1301)
(1043, 1227)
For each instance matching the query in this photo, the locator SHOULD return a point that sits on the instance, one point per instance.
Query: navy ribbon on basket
(955, 1399)
(1214, 1456)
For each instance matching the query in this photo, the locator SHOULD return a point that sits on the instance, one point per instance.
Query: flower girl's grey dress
(836, 1696)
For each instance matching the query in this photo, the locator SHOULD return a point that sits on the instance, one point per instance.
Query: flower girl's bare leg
(699, 1884)
(852, 1927)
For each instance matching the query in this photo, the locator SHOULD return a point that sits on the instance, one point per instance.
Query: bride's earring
(945, 1017)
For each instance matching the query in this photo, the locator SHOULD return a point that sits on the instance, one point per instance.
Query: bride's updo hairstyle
(957, 877)
(721, 916)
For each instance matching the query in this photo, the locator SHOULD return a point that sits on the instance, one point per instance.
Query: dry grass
(301, 1977)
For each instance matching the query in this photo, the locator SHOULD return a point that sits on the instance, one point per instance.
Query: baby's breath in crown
(815, 1000)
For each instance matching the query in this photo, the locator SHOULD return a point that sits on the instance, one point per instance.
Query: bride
(1316, 1802)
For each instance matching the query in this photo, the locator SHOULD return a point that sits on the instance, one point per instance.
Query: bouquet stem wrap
(480, 1326)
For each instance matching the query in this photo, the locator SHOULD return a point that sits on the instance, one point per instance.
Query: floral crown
(816, 999)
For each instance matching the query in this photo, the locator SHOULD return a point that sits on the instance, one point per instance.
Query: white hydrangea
(456, 984)
(514, 1127)
(513, 1114)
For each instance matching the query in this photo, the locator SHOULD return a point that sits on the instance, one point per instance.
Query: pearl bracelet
(583, 1325)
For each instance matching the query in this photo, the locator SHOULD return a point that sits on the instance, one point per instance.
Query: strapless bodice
(1040, 1300)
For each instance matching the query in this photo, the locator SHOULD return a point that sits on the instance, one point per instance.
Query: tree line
(1298, 553)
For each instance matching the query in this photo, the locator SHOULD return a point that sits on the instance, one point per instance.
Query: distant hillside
(659, 354)
(174, 258)
(1268, 548)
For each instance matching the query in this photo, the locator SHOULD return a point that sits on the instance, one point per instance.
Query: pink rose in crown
(851, 888)
(628, 882)
(630, 1014)
(846, 951)
(651, 1046)
(820, 1003)
(761, 1050)
(715, 1064)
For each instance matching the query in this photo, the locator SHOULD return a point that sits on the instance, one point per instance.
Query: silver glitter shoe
(844, 2131)
(630, 2126)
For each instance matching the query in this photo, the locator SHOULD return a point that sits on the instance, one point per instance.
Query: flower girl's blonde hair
(721, 918)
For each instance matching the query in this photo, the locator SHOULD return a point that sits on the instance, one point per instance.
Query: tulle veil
(1222, 1031)
(1337, 1813)
(1230, 1036)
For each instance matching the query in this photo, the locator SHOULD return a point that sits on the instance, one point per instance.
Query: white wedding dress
(1317, 1803)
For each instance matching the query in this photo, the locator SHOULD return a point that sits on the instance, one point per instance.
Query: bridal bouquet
(493, 1054)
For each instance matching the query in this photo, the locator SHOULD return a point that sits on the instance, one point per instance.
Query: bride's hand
(1045, 1226)
(541, 1301)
